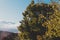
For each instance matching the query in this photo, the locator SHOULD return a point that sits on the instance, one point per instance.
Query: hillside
(4, 35)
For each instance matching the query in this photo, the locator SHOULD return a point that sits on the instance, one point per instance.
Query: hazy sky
(11, 13)
(12, 9)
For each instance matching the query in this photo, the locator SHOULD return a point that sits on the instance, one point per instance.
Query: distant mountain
(4, 35)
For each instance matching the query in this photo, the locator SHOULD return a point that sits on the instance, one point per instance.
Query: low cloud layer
(7, 25)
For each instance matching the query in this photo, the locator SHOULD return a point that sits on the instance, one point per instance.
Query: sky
(11, 13)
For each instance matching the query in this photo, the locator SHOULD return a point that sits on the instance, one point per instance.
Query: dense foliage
(40, 22)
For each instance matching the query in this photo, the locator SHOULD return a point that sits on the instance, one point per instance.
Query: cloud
(7, 22)
(8, 25)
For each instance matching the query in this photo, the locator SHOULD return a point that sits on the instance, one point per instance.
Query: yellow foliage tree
(40, 22)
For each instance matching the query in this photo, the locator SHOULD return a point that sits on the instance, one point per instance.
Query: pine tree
(40, 21)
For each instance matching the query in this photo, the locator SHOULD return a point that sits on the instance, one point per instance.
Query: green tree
(39, 22)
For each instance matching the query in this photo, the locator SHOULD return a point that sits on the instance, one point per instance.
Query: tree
(39, 22)
(53, 23)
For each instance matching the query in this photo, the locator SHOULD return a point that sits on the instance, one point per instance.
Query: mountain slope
(4, 35)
